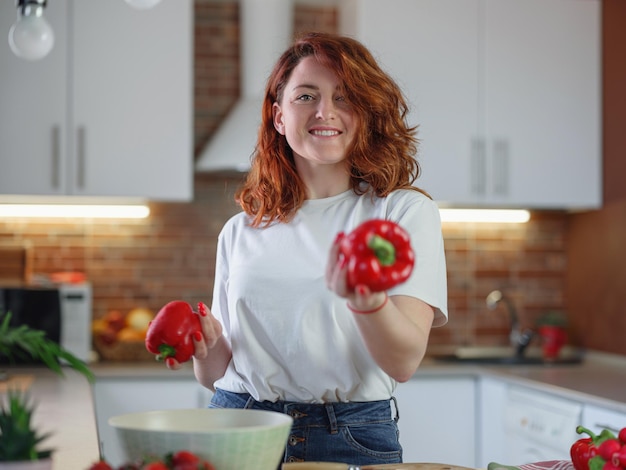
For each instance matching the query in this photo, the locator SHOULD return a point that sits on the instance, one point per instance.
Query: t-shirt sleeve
(420, 216)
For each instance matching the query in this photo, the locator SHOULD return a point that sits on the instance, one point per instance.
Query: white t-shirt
(294, 339)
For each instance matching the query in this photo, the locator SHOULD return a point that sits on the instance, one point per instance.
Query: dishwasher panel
(539, 426)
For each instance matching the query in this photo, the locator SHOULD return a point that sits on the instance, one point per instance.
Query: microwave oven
(63, 312)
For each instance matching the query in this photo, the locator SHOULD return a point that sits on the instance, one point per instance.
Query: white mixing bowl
(231, 439)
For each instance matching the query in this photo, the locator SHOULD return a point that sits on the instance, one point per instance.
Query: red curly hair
(382, 154)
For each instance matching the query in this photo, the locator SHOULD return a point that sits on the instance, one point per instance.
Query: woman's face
(314, 117)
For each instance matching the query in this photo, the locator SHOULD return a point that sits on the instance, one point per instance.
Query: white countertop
(64, 408)
(65, 404)
(600, 379)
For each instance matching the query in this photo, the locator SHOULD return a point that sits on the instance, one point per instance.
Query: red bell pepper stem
(165, 351)
(383, 249)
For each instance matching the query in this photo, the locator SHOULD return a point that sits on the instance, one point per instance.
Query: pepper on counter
(170, 333)
(378, 254)
(603, 451)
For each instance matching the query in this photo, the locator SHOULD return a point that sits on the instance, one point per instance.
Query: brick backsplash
(171, 254)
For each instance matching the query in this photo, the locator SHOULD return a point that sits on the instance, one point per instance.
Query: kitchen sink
(505, 356)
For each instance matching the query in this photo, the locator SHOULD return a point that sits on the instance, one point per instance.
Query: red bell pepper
(378, 254)
(170, 334)
(584, 452)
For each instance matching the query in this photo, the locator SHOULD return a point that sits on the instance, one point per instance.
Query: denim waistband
(313, 414)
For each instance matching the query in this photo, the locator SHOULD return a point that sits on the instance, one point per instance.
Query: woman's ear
(278, 119)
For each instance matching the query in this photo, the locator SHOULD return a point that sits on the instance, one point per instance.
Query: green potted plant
(552, 328)
(19, 440)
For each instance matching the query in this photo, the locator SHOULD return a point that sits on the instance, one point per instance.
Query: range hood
(266, 28)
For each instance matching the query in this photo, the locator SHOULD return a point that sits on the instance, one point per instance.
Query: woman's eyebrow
(306, 85)
(311, 87)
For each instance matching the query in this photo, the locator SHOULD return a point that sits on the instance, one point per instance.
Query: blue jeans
(358, 433)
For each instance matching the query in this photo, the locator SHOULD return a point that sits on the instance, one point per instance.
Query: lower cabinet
(491, 407)
(466, 420)
(438, 419)
(116, 396)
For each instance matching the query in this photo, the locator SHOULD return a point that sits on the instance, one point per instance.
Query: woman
(284, 332)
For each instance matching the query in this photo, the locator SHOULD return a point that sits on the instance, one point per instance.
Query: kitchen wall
(170, 255)
(596, 277)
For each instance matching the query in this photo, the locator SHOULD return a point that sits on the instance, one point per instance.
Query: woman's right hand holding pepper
(203, 341)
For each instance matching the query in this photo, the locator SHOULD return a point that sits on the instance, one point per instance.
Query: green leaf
(596, 463)
(23, 341)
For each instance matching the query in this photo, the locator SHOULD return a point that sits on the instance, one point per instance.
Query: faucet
(519, 338)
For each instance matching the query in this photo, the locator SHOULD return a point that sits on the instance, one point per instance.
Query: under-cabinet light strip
(142, 211)
(88, 211)
(502, 216)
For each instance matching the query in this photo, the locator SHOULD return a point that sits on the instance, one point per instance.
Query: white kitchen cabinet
(437, 419)
(596, 418)
(491, 445)
(108, 113)
(506, 94)
(116, 396)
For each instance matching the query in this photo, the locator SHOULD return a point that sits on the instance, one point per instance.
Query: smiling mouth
(325, 133)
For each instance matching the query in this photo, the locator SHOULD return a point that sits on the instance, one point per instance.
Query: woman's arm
(397, 335)
(395, 329)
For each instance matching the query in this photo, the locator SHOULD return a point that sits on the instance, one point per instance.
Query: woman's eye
(304, 98)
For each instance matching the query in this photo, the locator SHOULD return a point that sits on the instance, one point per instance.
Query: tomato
(158, 465)
(608, 448)
(101, 465)
(185, 460)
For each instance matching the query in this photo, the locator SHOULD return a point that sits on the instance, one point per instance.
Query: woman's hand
(203, 341)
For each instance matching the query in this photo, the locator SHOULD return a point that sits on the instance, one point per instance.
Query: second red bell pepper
(170, 334)
(378, 254)
(584, 452)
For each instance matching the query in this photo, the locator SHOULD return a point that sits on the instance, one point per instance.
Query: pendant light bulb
(31, 36)
(142, 4)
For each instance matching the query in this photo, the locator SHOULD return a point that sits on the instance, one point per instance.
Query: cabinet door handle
(80, 157)
(501, 167)
(478, 159)
(610, 427)
(56, 157)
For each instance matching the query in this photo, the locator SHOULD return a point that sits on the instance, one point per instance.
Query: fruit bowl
(122, 351)
(231, 439)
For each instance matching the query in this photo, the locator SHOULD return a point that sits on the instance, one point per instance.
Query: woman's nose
(326, 109)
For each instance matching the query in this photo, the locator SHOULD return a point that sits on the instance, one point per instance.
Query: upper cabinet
(108, 113)
(506, 93)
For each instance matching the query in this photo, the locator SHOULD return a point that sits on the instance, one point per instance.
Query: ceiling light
(31, 36)
(88, 211)
(504, 216)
